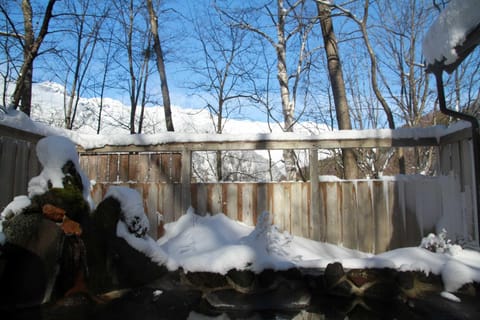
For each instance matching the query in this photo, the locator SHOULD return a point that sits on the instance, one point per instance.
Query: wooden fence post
(315, 222)
(186, 176)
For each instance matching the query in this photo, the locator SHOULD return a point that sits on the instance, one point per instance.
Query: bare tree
(224, 72)
(157, 46)
(288, 20)
(109, 51)
(86, 29)
(338, 86)
(135, 40)
(362, 24)
(9, 41)
(31, 46)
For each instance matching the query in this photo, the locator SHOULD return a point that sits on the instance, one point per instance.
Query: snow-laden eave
(461, 51)
(452, 36)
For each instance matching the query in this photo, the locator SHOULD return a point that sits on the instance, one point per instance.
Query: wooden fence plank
(179, 208)
(214, 198)
(320, 228)
(398, 215)
(166, 201)
(332, 212)
(8, 155)
(123, 165)
(255, 212)
(21, 170)
(87, 166)
(278, 210)
(296, 209)
(248, 204)
(113, 160)
(200, 196)
(305, 209)
(262, 199)
(102, 168)
(348, 200)
(166, 166)
(230, 200)
(315, 220)
(365, 217)
(412, 227)
(176, 167)
(383, 220)
(150, 196)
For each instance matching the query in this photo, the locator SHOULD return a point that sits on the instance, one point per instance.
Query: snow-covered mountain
(50, 98)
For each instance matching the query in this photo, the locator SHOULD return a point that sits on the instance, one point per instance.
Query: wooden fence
(18, 162)
(369, 215)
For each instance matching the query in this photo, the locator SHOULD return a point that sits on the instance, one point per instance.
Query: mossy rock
(69, 199)
(206, 281)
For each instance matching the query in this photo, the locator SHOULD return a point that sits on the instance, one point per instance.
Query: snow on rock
(15, 207)
(133, 224)
(54, 152)
(12, 209)
(450, 29)
(437, 243)
(450, 296)
(208, 243)
(215, 243)
(455, 274)
(133, 214)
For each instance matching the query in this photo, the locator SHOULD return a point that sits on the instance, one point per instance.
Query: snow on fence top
(252, 141)
(450, 30)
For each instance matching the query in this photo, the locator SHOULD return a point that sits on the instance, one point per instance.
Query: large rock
(113, 262)
(31, 256)
(43, 254)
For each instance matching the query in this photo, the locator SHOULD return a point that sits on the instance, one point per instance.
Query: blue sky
(183, 51)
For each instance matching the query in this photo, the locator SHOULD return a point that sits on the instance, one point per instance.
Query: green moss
(20, 229)
(69, 198)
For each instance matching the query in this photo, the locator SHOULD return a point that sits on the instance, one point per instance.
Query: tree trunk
(350, 168)
(160, 66)
(23, 85)
(288, 106)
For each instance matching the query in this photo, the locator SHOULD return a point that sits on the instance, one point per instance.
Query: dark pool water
(150, 304)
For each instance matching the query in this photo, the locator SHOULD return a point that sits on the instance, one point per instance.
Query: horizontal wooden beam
(266, 145)
(181, 142)
(460, 135)
(6, 131)
(178, 142)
